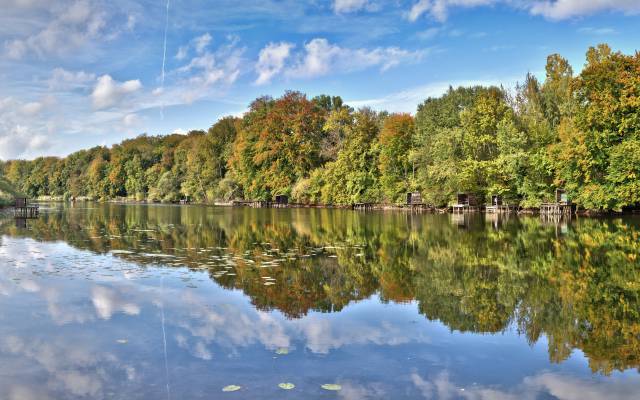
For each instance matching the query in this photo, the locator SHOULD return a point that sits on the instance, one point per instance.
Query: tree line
(577, 132)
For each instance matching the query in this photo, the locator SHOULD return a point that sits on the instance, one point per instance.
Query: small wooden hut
(467, 199)
(561, 206)
(466, 202)
(498, 205)
(281, 201)
(414, 198)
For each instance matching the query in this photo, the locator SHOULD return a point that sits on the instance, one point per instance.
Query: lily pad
(331, 386)
(286, 386)
(231, 388)
(122, 341)
(282, 351)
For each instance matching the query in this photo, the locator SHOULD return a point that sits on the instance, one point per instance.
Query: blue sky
(80, 73)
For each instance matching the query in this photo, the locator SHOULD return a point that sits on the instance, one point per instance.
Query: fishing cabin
(466, 202)
(498, 205)
(22, 209)
(415, 202)
(561, 206)
(414, 199)
(282, 201)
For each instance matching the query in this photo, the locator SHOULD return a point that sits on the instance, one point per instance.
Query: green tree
(397, 172)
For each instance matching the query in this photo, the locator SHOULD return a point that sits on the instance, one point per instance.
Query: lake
(108, 301)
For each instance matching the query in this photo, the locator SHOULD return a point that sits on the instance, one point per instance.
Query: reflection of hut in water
(559, 222)
(497, 219)
(22, 209)
(460, 220)
(498, 205)
(561, 206)
(466, 202)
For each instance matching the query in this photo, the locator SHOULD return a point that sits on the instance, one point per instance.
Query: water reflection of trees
(579, 285)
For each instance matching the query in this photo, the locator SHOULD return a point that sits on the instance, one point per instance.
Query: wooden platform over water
(557, 209)
(263, 204)
(500, 209)
(363, 206)
(464, 208)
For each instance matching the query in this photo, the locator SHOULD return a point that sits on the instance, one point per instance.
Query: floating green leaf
(286, 386)
(231, 388)
(282, 351)
(331, 386)
(122, 341)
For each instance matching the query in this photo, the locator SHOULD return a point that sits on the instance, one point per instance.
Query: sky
(81, 73)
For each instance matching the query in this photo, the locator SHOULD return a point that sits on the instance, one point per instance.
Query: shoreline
(532, 211)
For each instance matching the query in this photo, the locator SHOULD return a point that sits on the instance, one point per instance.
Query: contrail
(164, 58)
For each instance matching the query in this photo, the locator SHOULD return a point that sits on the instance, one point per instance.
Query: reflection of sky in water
(79, 325)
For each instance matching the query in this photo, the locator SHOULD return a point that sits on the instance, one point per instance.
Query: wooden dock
(465, 203)
(363, 206)
(422, 207)
(464, 208)
(500, 209)
(264, 204)
(561, 206)
(557, 209)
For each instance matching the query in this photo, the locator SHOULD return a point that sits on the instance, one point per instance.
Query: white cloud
(132, 20)
(321, 57)
(108, 92)
(68, 26)
(409, 99)
(563, 9)
(18, 140)
(551, 9)
(439, 9)
(598, 31)
(201, 42)
(130, 120)
(18, 135)
(16, 49)
(207, 71)
(271, 61)
(62, 79)
(429, 33)
(32, 108)
(182, 52)
(348, 6)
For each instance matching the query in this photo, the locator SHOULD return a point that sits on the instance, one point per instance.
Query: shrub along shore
(579, 132)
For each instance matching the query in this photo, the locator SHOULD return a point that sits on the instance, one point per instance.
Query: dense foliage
(581, 133)
(7, 193)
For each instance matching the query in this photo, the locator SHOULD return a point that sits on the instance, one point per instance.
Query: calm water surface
(163, 302)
